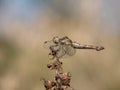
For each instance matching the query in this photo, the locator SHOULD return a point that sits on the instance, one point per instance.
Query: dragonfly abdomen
(82, 46)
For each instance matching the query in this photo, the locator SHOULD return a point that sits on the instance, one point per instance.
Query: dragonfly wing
(66, 50)
(61, 51)
(70, 50)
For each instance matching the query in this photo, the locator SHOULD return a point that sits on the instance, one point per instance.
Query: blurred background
(26, 24)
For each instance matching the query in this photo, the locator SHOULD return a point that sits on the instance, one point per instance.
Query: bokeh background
(26, 24)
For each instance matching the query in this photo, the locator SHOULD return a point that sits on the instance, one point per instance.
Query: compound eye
(56, 39)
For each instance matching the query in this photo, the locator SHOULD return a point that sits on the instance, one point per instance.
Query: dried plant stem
(61, 80)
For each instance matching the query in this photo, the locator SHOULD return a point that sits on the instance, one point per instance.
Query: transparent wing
(70, 51)
(46, 45)
(66, 50)
(61, 51)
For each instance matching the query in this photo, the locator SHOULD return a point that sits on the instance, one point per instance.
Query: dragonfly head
(56, 39)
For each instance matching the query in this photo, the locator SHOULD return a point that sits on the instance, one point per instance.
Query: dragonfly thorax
(66, 42)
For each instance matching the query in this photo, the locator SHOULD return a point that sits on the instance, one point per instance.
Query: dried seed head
(49, 84)
(66, 77)
(54, 65)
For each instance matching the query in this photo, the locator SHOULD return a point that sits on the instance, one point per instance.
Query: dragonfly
(64, 46)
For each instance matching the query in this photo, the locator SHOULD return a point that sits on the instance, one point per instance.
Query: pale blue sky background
(28, 9)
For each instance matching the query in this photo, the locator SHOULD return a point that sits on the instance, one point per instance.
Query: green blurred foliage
(9, 53)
